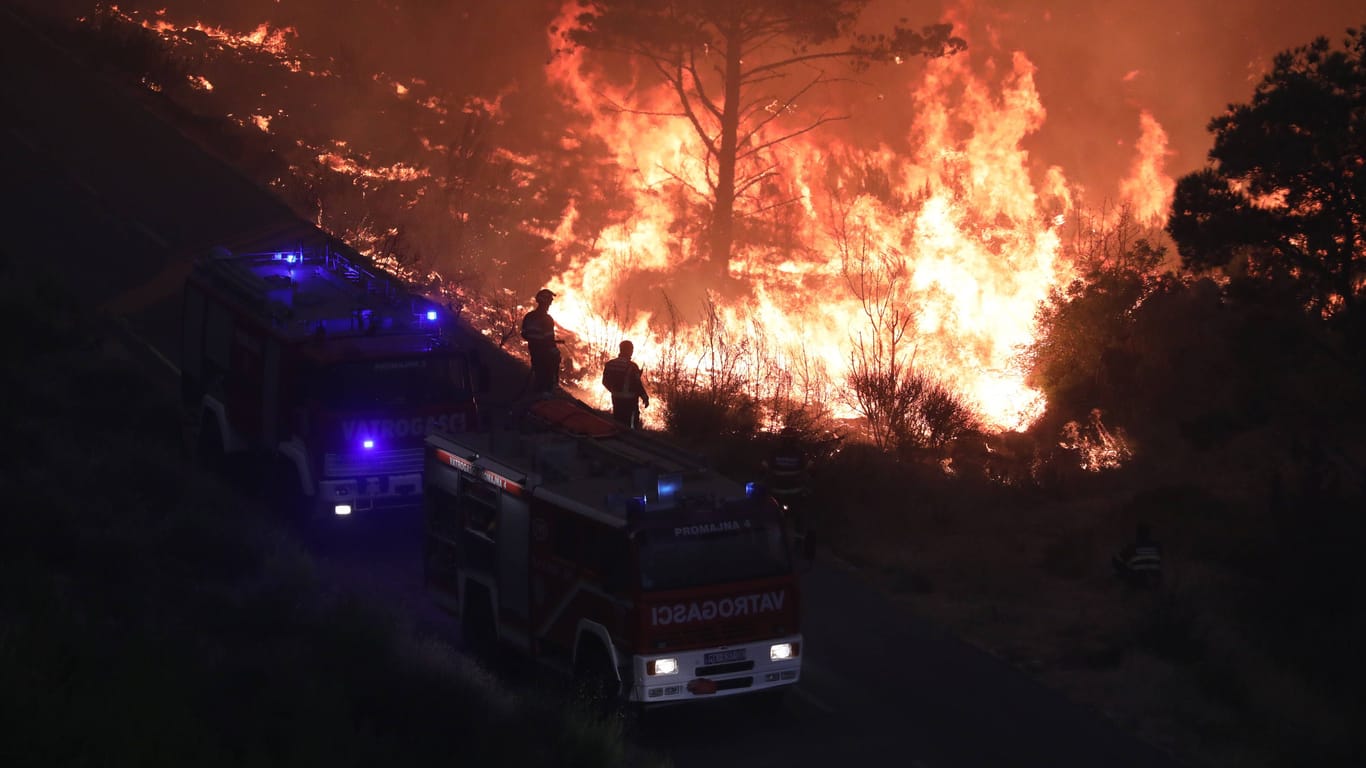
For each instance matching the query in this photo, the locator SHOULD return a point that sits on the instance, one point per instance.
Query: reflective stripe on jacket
(621, 377)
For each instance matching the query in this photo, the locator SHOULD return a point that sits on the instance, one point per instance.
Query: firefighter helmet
(545, 294)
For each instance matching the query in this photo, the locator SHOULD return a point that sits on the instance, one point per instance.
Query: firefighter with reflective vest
(538, 328)
(621, 378)
(785, 468)
(1140, 562)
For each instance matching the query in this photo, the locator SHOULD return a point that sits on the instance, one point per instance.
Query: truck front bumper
(345, 496)
(709, 673)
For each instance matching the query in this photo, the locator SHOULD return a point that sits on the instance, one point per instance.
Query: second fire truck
(295, 346)
(614, 555)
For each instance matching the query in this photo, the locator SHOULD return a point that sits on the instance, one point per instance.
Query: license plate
(721, 657)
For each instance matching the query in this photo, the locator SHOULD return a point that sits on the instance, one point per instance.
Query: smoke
(1100, 65)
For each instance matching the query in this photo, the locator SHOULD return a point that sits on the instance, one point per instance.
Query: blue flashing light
(431, 314)
(749, 489)
(635, 505)
(367, 444)
(288, 258)
(668, 485)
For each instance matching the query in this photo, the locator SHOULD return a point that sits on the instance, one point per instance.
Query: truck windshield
(711, 552)
(393, 383)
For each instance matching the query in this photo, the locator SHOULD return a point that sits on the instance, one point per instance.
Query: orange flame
(976, 230)
(967, 240)
(1149, 189)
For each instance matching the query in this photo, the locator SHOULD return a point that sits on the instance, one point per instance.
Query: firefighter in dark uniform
(538, 328)
(1139, 563)
(621, 377)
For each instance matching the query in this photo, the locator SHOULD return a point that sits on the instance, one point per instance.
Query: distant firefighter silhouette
(1139, 563)
(538, 328)
(621, 378)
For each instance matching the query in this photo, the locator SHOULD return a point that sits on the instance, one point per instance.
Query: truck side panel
(217, 341)
(192, 345)
(243, 386)
(514, 528)
(580, 574)
(445, 526)
(270, 394)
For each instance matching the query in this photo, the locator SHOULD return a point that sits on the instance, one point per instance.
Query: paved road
(113, 196)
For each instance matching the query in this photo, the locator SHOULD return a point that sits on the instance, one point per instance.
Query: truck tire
(596, 686)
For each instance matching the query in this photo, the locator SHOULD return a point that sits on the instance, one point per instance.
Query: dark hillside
(150, 615)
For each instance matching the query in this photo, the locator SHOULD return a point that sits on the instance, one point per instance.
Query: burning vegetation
(726, 193)
(894, 282)
(903, 257)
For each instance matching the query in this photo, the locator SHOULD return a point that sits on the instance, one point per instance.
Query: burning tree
(736, 69)
(904, 408)
(1084, 354)
(1284, 199)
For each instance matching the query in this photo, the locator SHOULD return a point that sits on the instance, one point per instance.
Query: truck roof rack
(564, 451)
(310, 284)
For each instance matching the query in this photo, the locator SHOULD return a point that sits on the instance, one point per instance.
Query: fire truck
(613, 556)
(298, 348)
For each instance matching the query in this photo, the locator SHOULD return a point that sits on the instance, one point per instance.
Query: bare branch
(813, 126)
(699, 86)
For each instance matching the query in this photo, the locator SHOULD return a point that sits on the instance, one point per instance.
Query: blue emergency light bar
(667, 486)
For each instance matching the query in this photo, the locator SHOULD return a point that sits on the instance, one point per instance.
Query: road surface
(114, 196)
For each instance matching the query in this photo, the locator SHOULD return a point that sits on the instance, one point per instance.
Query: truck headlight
(783, 651)
(662, 667)
(342, 510)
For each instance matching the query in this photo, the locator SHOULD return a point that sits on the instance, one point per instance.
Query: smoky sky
(1099, 63)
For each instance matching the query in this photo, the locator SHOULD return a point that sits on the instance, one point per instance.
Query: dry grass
(1029, 580)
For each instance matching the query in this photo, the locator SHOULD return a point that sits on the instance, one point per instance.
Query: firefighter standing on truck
(538, 328)
(621, 377)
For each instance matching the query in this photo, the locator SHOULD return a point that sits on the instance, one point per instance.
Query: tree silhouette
(737, 68)
(1282, 200)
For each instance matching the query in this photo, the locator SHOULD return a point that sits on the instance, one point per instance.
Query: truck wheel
(595, 681)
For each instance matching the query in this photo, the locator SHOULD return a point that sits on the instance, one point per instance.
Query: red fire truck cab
(297, 346)
(614, 555)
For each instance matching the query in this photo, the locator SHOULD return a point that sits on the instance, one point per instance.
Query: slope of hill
(151, 614)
